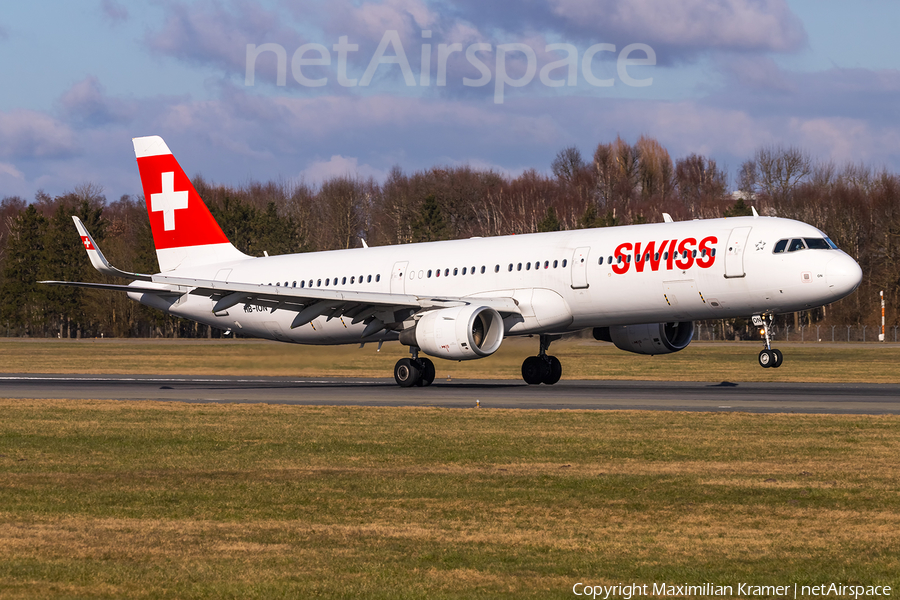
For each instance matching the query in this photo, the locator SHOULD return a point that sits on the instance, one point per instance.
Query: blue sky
(719, 78)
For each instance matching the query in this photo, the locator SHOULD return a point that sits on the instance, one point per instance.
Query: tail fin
(184, 231)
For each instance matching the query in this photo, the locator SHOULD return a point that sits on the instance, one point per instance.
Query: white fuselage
(561, 281)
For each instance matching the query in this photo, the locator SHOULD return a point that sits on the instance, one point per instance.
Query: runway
(846, 398)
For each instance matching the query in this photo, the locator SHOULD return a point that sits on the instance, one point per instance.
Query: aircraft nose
(843, 275)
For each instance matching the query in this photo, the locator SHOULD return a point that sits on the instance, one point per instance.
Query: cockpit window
(780, 246)
(816, 244)
(796, 244)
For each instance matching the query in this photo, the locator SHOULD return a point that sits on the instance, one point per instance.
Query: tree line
(622, 183)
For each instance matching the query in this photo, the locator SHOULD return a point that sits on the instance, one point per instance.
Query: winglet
(99, 261)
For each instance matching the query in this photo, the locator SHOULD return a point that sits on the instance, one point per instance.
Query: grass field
(154, 500)
(581, 359)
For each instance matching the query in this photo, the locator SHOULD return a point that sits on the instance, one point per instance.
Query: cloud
(209, 32)
(31, 134)
(9, 170)
(340, 166)
(114, 11)
(86, 103)
(676, 29)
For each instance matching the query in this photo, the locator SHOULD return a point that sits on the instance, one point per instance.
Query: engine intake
(457, 333)
(648, 338)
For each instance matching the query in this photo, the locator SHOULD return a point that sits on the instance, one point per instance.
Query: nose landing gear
(542, 368)
(768, 357)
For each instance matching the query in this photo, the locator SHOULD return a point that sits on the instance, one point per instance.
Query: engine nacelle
(457, 333)
(648, 338)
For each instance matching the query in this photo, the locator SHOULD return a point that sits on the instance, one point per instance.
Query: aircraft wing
(312, 303)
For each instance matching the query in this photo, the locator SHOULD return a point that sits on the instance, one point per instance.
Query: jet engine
(457, 333)
(648, 338)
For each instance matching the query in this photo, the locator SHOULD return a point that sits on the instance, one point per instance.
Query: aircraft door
(579, 268)
(734, 252)
(398, 278)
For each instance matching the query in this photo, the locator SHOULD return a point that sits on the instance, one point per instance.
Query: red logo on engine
(668, 254)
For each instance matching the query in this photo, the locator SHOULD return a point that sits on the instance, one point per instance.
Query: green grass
(155, 500)
(581, 359)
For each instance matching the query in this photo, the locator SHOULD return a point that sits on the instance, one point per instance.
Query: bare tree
(780, 170)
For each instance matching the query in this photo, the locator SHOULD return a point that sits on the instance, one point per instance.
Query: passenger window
(429, 273)
(600, 261)
(555, 263)
(565, 262)
(694, 253)
(303, 284)
(482, 269)
(377, 277)
(326, 282)
(780, 246)
(446, 272)
(796, 245)
(319, 284)
(656, 256)
(546, 264)
(519, 267)
(472, 271)
(344, 281)
(527, 266)
(455, 271)
(464, 270)
(369, 279)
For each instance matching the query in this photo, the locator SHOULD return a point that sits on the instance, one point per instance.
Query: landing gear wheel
(779, 358)
(426, 368)
(406, 372)
(554, 370)
(533, 370)
(766, 358)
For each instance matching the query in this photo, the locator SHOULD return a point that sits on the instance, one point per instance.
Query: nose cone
(843, 275)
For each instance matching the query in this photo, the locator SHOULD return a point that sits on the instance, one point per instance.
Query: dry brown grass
(155, 500)
(581, 359)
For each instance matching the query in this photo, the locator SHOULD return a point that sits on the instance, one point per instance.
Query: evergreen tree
(430, 225)
(550, 222)
(739, 209)
(22, 300)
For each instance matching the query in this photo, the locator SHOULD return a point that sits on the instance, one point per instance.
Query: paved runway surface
(849, 398)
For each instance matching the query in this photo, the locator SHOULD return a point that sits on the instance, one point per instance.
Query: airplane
(640, 287)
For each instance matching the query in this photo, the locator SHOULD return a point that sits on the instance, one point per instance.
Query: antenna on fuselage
(667, 218)
(753, 209)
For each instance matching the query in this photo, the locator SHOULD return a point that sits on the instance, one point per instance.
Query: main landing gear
(768, 357)
(414, 371)
(542, 368)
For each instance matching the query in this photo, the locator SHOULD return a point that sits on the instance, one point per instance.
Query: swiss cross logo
(87, 242)
(168, 200)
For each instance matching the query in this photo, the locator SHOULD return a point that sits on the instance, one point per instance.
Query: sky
(247, 90)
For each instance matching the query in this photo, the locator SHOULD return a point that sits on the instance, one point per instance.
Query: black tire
(779, 358)
(427, 370)
(406, 372)
(533, 370)
(553, 371)
(766, 359)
